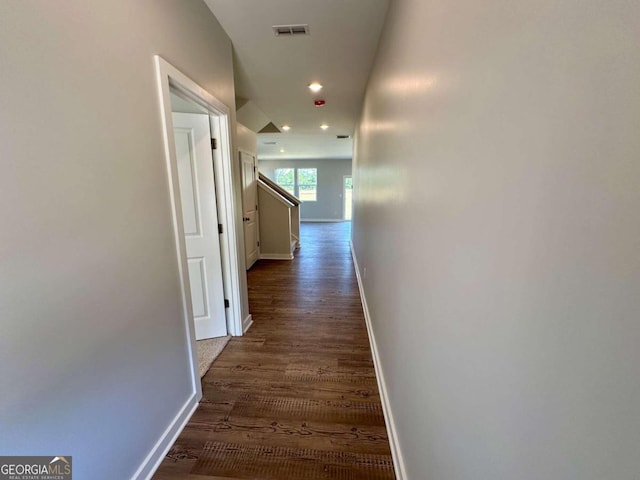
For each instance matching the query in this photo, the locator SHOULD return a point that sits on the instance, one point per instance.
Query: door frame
(170, 79)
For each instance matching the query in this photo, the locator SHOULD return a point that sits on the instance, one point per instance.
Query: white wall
(330, 185)
(497, 180)
(93, 353)
(247, 140)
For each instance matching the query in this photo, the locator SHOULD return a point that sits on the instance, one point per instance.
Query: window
(301, 182)
(307, 184)
(285, 177)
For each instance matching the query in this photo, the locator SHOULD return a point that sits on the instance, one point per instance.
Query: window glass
(348, 183)
(307, 184)
(285, 177)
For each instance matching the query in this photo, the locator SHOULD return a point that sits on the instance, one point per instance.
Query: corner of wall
(152, 461)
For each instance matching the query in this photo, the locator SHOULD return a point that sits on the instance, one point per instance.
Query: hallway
(296, 397)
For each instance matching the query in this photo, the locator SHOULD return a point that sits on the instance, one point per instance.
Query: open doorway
(347, 195)
(197, 135)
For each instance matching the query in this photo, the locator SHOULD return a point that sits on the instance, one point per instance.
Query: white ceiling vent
(289, 30)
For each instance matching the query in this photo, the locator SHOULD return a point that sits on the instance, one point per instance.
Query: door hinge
(214, 144)
(220, 228)
(258, 242)
(226, 303)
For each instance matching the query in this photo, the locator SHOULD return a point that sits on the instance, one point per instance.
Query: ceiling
(272, 72)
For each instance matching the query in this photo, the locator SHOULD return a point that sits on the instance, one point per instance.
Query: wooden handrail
(275, 194)
(292, 198)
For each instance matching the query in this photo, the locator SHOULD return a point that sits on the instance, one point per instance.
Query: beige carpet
(208, 351)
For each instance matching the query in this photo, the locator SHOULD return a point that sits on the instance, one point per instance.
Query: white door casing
(200, 221)
(250, 208)
(170, 80)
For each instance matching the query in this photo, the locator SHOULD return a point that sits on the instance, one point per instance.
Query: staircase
(279, 220)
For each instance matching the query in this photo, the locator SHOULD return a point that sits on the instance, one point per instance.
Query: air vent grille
(269, 143)
(289, 30)
(343, 136)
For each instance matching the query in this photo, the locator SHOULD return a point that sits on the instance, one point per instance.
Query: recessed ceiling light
(286, 128)
(315, 87)
(324, 126)
(282, 150)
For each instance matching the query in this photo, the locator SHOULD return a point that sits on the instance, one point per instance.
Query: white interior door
(250, 208)
(200, 220)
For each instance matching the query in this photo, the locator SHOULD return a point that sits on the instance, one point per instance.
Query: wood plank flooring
(296, 397)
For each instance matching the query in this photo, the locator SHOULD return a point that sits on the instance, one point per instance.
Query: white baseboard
(276, 256)
(246, 324)
(166, 440)
(319, 220)
(398, 461)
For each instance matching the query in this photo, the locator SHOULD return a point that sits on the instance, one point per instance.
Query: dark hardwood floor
(296, 397)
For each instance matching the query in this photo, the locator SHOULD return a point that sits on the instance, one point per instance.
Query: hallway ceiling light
(324, 126)
(286, 128)
(282, 150)
(315, 87)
